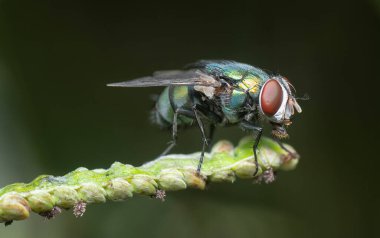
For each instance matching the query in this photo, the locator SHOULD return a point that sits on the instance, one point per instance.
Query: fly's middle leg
(204, 138)
(195, 113)
(259, 131)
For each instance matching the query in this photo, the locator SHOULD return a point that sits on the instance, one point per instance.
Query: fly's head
(278, 104)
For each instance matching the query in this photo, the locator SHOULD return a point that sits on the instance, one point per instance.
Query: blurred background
(56, 114)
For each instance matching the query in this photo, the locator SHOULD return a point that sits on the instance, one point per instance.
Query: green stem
(46, 195)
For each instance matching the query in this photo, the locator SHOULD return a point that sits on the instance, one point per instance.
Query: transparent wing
(175, 77)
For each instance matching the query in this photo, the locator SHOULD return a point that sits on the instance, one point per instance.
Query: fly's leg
(175, 121)
(259, 131)
(194, 113)
(174, 134)
(290, 155)
(204, 138)
(211, 134)
(213, 118)
(255, 145)
(178, 111)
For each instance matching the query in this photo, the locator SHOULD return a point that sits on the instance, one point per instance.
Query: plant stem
(47, 195)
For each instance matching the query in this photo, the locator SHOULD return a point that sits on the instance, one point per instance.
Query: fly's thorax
(247, 86)
(252, 85)
(234, 105)
(242, 97)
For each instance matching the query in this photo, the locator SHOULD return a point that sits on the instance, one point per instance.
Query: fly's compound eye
(271, 97)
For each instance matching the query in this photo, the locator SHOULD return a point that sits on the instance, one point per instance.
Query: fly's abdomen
(163, 112)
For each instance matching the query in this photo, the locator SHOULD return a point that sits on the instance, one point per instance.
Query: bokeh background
(56, 113)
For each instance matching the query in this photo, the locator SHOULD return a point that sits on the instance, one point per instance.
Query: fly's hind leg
(194, 113)
(177, 112)
(174, 134)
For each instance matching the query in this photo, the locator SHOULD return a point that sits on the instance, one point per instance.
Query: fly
(220, 93)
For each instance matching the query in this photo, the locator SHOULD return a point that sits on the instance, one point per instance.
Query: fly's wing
(167, 78)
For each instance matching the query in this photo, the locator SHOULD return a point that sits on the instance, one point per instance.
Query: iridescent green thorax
(245, 78)
(233, 106)
(234, 70)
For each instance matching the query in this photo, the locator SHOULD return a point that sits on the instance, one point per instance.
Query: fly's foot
(289, 156)
(268, 176)
(256, 169)
(200, 175)
(52, 213)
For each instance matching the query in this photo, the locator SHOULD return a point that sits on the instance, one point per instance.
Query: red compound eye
(271, 97)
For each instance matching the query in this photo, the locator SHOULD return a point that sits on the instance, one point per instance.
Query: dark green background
(56, 113)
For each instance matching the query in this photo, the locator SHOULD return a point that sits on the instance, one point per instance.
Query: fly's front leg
(290, 155)
(213, 118)
(255, 145)
(259, 131)
(204, 138)
(174, 134)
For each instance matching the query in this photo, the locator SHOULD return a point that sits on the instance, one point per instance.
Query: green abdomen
(163, 113)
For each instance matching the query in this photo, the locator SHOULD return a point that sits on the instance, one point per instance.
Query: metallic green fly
(220, 93)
